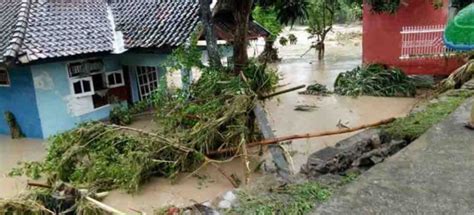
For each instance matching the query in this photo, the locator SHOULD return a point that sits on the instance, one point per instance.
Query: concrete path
(433, 175)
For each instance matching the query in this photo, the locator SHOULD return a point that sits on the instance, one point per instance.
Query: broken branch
(282, 92)
(305, 136)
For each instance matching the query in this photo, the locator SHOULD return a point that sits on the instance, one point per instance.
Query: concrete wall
(58, 109)
(382, 39)
(19, 98)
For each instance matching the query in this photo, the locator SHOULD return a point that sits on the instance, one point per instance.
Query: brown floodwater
(295, 70)
(12, 152)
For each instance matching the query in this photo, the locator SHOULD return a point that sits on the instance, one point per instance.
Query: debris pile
(212, 115)
(316, 89)
(374, 80)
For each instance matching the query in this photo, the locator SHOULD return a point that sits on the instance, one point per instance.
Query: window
(4, 78)
(115, 79)
(82, 87)
(85, 68)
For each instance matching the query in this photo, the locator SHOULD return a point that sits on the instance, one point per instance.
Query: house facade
(411, 38)
(63, 62)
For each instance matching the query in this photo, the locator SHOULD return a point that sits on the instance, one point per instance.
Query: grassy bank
(417, 123)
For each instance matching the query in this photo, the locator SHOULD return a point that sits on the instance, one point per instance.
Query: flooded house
(63, 62)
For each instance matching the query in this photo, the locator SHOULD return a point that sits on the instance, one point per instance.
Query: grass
(417, 123)
(290, 199)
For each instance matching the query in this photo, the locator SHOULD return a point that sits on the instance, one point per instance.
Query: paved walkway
(433, 175)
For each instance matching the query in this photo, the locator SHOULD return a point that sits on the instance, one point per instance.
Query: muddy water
(295, 70)
(186, 190)
(11, 152)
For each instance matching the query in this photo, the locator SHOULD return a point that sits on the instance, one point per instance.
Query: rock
(468, 85)
(318, 162)
(363, 138)
(224, 204)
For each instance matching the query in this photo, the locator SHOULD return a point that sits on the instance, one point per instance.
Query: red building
(382, 38)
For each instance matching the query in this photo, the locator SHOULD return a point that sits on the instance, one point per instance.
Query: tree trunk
(269, 54)
(321, 49)
(211, 40)
(241, 13)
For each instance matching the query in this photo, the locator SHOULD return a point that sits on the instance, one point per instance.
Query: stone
(230, 196)
(224, 204)
(432, 175)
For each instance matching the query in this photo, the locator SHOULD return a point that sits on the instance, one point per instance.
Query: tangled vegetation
(374, 80)
(417, 123)
(211, 115)
(289, 199)
(316, 89)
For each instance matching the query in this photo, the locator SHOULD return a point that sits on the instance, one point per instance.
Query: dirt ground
(342, 53)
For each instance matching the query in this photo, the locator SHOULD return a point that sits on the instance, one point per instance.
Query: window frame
(72, 81)
(110, 86)
(8, 77)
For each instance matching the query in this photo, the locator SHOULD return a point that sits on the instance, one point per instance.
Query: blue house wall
(54, 98)
(19, 98)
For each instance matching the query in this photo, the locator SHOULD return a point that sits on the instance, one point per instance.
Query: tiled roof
(148, 23)
(38, 29)
(13, 15)
(66, 28)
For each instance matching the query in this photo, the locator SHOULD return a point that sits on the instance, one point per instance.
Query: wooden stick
(318, 134)
(37, 184)
(231, 180)
(304, 136)
(104, 206)
(282, 92)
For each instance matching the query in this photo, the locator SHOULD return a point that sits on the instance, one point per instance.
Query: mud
(12, 152)
(285, 120)
(331, 110)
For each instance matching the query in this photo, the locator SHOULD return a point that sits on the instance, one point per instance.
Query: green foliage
(291, 199)
(316, 89)
(417, 123)
(293, 39)
(186, 56)
(392, 6)
(283, 41)
(384, 6)
(374, 80)
(289, 11)
(320, 18)
(348, 11)
(122, 114)
(267, 17)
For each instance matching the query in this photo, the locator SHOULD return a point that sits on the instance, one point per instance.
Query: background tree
(320, 22)
(211, 40)
(268, 18)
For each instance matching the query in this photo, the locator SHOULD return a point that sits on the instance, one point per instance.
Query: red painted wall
(382, 39)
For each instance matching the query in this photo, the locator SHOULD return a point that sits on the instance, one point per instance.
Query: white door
(147, 78)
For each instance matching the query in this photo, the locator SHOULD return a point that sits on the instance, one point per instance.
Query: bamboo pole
(304, 136)
(282, 92)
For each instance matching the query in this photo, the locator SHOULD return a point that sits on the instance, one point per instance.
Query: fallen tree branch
(282, 92)
(304, 136)
(318, 134)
